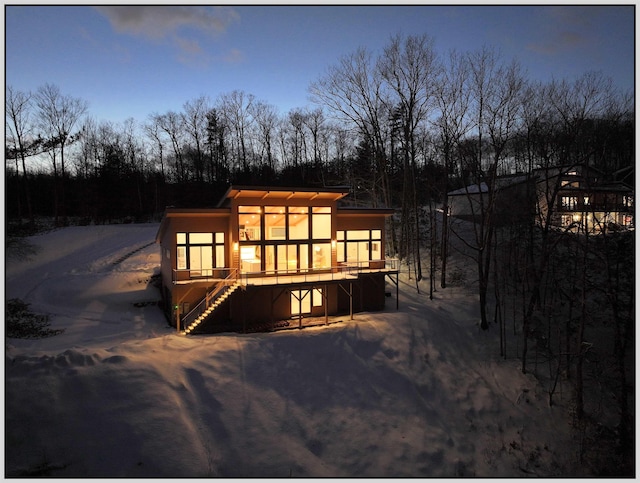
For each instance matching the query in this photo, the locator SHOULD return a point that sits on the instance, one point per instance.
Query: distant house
(581, 198)
(584, 198)
(510, 201)
(265, 256)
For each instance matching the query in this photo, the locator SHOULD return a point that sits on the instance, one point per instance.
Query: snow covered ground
(418, 391)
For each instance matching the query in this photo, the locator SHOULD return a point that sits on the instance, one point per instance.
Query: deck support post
(325, 296)
(351, 300)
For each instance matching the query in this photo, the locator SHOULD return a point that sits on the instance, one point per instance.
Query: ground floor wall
(368, 294)
(254, 307)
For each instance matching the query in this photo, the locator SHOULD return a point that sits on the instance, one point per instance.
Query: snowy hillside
(418, 391)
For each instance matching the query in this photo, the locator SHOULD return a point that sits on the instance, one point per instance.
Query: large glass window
(200, 253)
(300, 302)
(321, 222)
(249, 223)
(298, 223)
(285, 235)
(287, 258)
(317, 297)
(321, 255)
(357, 251)
(569, 202)
(250, 258)
(220, 251)
(303, 252)
(355, 246)
(275, 223)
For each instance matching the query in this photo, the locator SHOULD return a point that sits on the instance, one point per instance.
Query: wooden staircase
(214, 298)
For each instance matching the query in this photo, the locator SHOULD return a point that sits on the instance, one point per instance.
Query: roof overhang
(284, 194)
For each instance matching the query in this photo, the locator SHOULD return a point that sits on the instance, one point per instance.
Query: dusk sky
(132, 61)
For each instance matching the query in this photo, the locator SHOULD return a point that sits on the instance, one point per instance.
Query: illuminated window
(300, 302)
(360, 245)
(569, 202)
(250, 258)
(287, 256)
(249, 223)
(298, 223)
(317, 297)
(200, 253)
(321, 222)
(321, 253)
(275, 223)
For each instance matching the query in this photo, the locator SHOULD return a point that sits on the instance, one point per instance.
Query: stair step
(218, 301)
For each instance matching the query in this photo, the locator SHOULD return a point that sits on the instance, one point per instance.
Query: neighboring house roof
(501, 183)
(618, 187)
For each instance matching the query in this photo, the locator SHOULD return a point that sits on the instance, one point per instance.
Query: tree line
(388, 125)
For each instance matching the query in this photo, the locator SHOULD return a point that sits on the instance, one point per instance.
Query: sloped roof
(501, 183)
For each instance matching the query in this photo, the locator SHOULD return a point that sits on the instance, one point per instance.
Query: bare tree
(298, 139)
(234, 107)
(266, 117)
(172, 124)
(452, 100)
(58, 115)
(195, 121)
(154, 132)
(18, 110)
(314, 122)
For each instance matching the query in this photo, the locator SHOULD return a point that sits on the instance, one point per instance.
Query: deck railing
(340, 272)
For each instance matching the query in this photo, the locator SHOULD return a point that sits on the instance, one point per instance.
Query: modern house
(573, 198)
(268, 256)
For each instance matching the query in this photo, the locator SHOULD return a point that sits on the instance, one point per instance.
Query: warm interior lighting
(235, 246)
(333, 243)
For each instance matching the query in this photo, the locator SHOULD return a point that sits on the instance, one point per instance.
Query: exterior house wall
(192, 221)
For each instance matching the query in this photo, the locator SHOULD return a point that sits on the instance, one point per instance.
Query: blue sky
(134, 61)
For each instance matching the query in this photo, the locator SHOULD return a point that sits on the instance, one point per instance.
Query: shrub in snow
(21, 323)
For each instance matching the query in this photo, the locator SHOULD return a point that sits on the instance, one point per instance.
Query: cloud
(565, 28)
(173, 23)
(161, 21)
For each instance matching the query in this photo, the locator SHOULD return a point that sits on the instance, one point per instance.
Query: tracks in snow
(131, 253)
